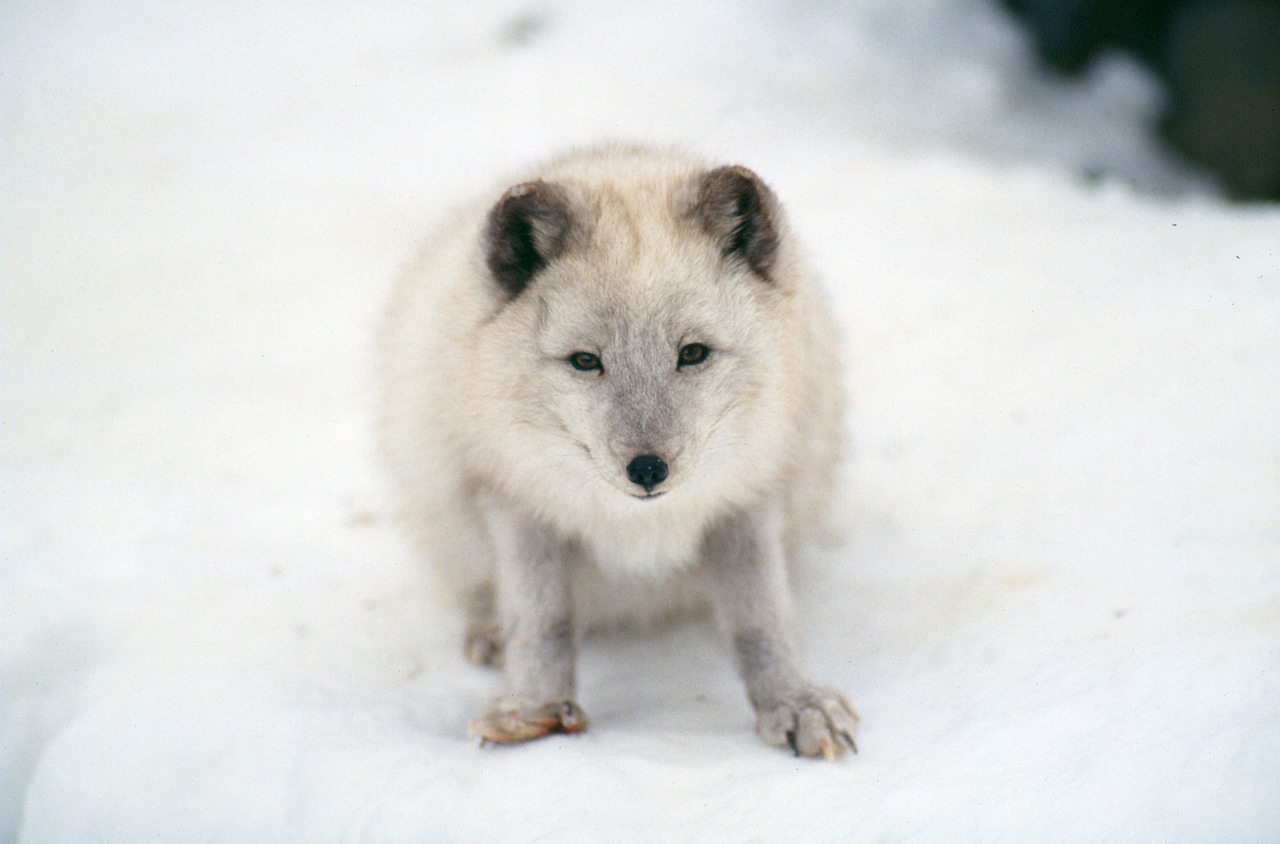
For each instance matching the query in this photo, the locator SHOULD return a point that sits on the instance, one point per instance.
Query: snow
(1054, 591)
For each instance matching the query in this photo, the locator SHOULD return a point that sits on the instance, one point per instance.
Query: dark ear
(528, 229)
(739, 212)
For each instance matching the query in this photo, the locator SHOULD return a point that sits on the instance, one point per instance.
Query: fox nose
(647, 470)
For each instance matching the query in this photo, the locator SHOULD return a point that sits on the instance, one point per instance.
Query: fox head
(639, 350)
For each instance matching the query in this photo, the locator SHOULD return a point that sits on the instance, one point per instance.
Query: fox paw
(814, 722)
(512, 720)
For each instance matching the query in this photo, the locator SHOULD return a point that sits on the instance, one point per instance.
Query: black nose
(647, 471)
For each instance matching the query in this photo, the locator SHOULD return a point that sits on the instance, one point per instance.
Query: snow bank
(1054, 598)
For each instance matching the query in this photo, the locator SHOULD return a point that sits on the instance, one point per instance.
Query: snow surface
(1055, 596)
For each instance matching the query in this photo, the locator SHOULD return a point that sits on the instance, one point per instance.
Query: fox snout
(647, 470)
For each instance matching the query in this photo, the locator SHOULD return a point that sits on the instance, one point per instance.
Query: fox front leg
(536, 612)
(750, 595)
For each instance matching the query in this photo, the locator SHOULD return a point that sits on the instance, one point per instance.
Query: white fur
(478, 408)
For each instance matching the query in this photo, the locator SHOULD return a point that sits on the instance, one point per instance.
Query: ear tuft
(528, 228)
(739, 212)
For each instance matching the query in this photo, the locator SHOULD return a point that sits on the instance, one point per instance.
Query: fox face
(649, 339)
(645, 384)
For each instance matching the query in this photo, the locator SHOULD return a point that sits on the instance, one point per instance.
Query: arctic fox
(611, 393)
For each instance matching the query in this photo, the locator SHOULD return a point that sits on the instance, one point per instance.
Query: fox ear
(740, 213)
(528, 229)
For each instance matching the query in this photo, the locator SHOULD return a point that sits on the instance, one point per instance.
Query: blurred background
(1218, 62)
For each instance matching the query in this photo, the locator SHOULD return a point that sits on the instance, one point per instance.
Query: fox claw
(848, 739)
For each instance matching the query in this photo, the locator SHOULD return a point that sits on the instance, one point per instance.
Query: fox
(610, 394)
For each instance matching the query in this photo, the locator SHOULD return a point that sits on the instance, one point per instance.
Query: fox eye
(692, 355)
(585, 361)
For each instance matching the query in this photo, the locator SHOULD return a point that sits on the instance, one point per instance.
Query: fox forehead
(619, 312)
